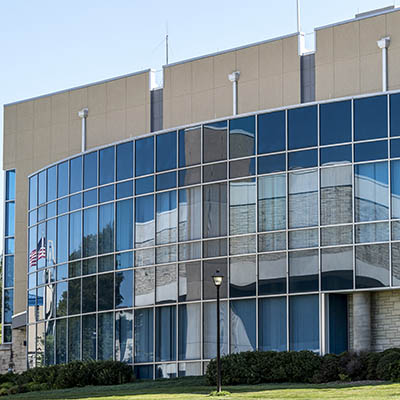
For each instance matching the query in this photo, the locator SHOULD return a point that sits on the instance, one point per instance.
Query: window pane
(395, 187)
(242, 245)
(166, 333)
(52, 183)
(242, 206)
(371, 191)
(189, 251)
(214, 141)
(144, 286)
(303, 271)
(190, 176)
(62, 181)
(272, 273)
(395, 115)
(243, 325)
(61, 341)
(105, 336)
(74, 296)
(49, 341)
(189, 146)
(75, 175)
(372, 266)
(61, 300)
(166, 283)
(215, 248)
(303, 239)
(75, 235)
(335, 155)
(9, 272)
(106, 228)
(336, 195)
(304, 323)
(214, 208)
(123, 289)
(214, 172)
(89, 291)
(302, 127)
(124, 189)
(144, 160)
(89, 337)
(190, 281)
(189, 332)
(144, 227)
(90, 198)
(144, 257)
(372, 232)
(395, 148)
(272, 324)
(275, 163)
(242, 276)
(8, 305)
(272, 202)
(303, 199)
(42, 187)
(166, 181)
(124, 161)
(166, 151)
(336, 235)
(335, 122)
(166, 217)
(106, 166)
(210, 329)
(396, 263)
(272, 241)
(124, 225)
(242, 137)
(10, 185)
(74, 339)
(106, 193)
(303, 159)
(271, 132)
(90, 232)
(370, 151)
(370, 118)
(62, 239)
(106, 291)
(33, 192)
(123, 337)
(90, 170)
(240, 168)
(190, 213)
(143, 335)
(337, 268)
(10, 219)
(144, 185)
(166, 254)
(209, 269)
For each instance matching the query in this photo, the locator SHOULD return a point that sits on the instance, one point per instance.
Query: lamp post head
(218, 278)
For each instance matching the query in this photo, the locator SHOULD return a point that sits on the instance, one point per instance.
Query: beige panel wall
(42, 131)
(200, 90)
(348, 60)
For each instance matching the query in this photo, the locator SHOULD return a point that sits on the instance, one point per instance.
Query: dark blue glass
(335, 122)
(106, 165)
(90, 170)
(8, 305)
(52, 183)
(395, 148)
(243, 323)
(269, 164)
(75, 235)
(62, 206)
(370, 118)
(395, 114)
(42, 187)
(124, 225)
(337, 154)
(105, 298)
(106, 193)
(144, 160)
(271, 132)
(124, 161)
(124, 189)
(166, 333)
(189, 146)
(144, 209)
(370, 151)
(106, 228)
(33, 191)
(303, 127)
(10, 185)
(143, 371)
(62, 238)
(124, 260)
(166, 151)
(303, 159)
(144, 185)
(144, 337)
(75, 202)
(62, 181)
(242, 133)
(9, 272)
(75, 175)
(124, 289)
(241, 168)
(90, 197)
(10, 219)
(166, 181)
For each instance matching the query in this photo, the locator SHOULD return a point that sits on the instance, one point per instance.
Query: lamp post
(217, 278)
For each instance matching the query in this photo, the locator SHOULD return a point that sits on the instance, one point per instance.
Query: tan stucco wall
(348, 60)
(41, 131)
(200, 90)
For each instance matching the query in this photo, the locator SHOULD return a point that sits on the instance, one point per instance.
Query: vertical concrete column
(362, 321)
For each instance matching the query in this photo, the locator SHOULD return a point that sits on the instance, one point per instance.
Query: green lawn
(194, 389)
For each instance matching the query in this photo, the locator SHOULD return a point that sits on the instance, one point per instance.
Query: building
(122, 200)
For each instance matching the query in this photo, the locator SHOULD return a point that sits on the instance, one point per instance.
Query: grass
(195, 388)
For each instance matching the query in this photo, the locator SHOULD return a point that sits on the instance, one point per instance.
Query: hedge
(254, 367)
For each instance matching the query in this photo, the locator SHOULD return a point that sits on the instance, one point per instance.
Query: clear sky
(50, 45)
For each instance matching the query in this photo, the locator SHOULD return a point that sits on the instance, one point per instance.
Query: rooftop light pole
(218, 278)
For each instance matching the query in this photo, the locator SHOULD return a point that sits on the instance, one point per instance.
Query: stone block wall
(18, 348)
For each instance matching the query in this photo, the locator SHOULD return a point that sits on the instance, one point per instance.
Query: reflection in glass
(303, 271)
(337, 268)
(89, 291)
(303, 199)
(106, 292)
(106, 165)
(189, 281)
(52, 183)
(166, 283)
(303, 239)
(372, 266)
(189, 146)
(209, 268)
(395, 187)
(336, 235)
(124, 161)
(272, 273)
(394, 114)
(124, 189)
(144, 185)
(144, 286)
(272, 324)
(105, 336)
(210, 329)
(371, 191)
(75, 175)
(242, 137)
(62, 179)
(335, 155)
(242, 245)
(33, 191)
(144, 257)
(302, 127)
(189, 332)
(214, 172)
(378, 232)
(123, 289)
(123, 336)
(90, 170)
(166, 254)
(61, 341)
(189, 176)
(214, 141)
(89, 334)
(242, 276)
(144, 226)
(10, 219)
(242, 206)
(143, 335)
(271, 132)
(272, 241)
(214, 210)
(189, 251)
(335, 122)
(303, 159)
(61, 299)
(370, 151)
(42, 187)
(124, 225)
(166, 217)
(243, 325)
(240, 168)
(190, 213)
(49, 343)
(90, 232)
(74, 296)
(215, 248)
(166, 333)
(74, 339)
(75, 235)
(396, 264)
(106, 228)
(144, 160)
(166, 151)
(274, 163)
(10, 185)
(166, 181)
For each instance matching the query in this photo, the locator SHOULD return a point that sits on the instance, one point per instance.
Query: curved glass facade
(295, 207)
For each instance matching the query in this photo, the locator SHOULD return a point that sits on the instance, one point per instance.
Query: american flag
(33, 258)
(42, 248)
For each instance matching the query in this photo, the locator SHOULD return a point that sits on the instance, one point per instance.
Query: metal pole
(384, 44)
(218, 346)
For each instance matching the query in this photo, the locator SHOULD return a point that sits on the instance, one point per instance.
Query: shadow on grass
(179, 386)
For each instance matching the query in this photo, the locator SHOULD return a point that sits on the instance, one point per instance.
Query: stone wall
(14, 355)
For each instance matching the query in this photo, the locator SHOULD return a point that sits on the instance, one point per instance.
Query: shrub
(330, 369)
(384, 366)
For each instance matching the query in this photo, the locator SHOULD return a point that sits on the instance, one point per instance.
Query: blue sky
(49, 45)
